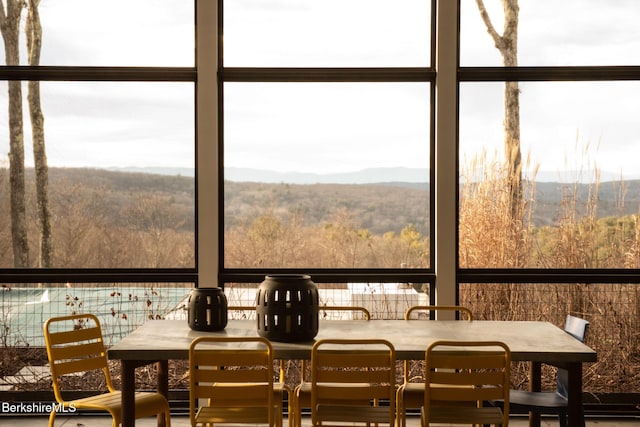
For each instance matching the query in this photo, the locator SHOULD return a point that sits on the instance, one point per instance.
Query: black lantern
(287, 308)
(207, 309)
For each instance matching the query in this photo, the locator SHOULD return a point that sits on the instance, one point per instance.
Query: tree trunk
(33, 31)
(10, 27)
(507, 44)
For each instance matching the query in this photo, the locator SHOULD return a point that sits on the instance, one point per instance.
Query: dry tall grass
(490, 237)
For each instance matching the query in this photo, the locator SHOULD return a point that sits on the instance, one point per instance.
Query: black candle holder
(207, 309)
(287, 308)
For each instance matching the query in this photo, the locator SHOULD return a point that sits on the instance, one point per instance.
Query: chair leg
(52, 418)
(296, 416)
(400, 411)
(562, 417)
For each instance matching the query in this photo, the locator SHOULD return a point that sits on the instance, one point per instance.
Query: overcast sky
(333, 127)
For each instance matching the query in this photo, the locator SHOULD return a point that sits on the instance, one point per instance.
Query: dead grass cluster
(491, 237)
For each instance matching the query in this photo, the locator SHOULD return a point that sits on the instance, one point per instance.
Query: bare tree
(33, 30)
(10, 28)
(507, 44)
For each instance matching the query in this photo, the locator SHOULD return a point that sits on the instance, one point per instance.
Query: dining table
(159, 341)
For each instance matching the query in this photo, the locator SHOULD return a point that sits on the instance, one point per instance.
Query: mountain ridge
(362, 176)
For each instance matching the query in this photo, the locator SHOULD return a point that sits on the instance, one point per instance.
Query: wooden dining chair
(237, 386)
(460, 376)
(301, 397)
(550, 402)
(349, 380)
(75, 346)
(411, 394)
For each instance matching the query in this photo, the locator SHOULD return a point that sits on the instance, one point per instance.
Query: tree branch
(497, 39)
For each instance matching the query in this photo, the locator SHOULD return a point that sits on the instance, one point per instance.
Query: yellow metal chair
(466, 373)
(411, 394)
(301, 397)
(279, 388)
(75, 346)
(348, 380)
(237, 386)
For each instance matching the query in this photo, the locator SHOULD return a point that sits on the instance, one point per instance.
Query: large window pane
(550, 32)
(329, 175)
(579, 142)
(156, 33)
(121, 179)
(328, 33)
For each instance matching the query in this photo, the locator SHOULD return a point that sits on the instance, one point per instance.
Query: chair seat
(147, 404)
(542, 400)
(248, 414)
(412, 394)
(453, 415)
(353, 413)
(302, 399)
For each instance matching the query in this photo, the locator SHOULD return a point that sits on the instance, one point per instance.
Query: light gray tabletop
(528, 341)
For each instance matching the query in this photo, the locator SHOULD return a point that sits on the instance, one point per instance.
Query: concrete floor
(183, 421)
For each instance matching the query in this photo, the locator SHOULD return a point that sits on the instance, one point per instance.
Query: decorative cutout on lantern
(287, 308)
(207, 309)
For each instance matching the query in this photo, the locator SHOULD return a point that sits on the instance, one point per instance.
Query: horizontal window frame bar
(98, 275)
(585, 73)
(391, 74)
(405, 275)
(101, 74)
(553, 276)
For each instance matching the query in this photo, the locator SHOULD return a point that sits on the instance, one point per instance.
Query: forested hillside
(379, 208)
(130, 219)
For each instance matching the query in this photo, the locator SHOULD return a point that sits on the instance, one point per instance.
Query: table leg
(162, 367)
(574, 411)
(128, 371)
(535, 384)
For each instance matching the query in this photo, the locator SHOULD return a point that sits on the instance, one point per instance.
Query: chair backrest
(222, 374)
(353, 308)
(349, 372)
(409, 365)
(433, 308)
(577, 328)
(461, 372)
(365, 313)
(74, 345)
